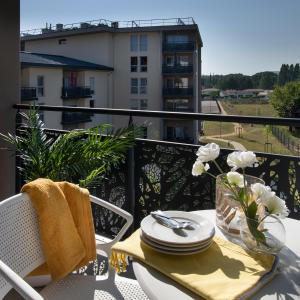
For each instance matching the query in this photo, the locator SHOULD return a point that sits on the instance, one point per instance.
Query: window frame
(40, 87)
(134, 88)
(143, 66)
(134, 42)
(133, 67)
(143, 42)
(143, 87)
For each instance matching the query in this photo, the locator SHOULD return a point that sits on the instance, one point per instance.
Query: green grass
(254, 138)
(215, 128)
(266, 110)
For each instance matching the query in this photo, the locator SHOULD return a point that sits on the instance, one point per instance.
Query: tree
(264, 80)
(286, 99)
(291, 72)
(283, 76)
(296, 72)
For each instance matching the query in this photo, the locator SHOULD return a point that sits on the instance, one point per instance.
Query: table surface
(285, 285)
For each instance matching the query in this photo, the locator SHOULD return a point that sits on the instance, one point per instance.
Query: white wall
(53, 79)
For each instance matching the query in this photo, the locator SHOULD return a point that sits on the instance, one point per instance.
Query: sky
(239, 36)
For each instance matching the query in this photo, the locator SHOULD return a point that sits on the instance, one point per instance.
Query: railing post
(18, 159)
(131, 180)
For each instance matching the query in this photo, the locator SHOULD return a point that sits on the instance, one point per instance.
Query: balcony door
(70, 79)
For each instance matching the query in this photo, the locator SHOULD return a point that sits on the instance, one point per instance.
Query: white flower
(276, 206)
(208, 152)
(241, 159)
(199, 168)
(235, 178)
(261, 191)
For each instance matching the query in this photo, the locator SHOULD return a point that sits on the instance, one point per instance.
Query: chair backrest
(20, 246)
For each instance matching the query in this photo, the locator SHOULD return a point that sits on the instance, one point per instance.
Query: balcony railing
(157, 174)
(28, 94)
(178, 91)
(77, 92)
(177, 69)
(179, 46)
(75, 117)
(178, 108)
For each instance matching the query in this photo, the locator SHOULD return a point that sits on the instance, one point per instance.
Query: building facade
(156, 66)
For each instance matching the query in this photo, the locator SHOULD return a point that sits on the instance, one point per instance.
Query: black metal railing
(75, 117)
(77, 92)
(28, 94)
(178, 91)
(177, 69)
(179, 46)
(157, 174)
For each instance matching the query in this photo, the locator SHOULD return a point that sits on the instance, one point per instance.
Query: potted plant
(78, 156)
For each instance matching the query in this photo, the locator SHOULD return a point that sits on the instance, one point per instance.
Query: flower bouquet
(261, 210)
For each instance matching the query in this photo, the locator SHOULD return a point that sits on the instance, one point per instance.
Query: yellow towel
(66, 226)
(224, 271)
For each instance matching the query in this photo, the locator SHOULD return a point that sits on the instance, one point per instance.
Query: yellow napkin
(65, 224)
(224, 271)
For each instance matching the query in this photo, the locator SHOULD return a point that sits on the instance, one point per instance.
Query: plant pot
(271, 237)
(229, 211)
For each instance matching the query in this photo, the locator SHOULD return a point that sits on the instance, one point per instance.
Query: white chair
(20, 253)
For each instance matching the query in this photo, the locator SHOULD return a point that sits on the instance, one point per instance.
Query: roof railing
(108, 23)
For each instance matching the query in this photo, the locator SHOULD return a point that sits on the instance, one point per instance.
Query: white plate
(174, 249)
(169, 252)
(204, 230)
(176, 246)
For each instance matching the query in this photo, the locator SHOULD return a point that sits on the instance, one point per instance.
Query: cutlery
(167, 221)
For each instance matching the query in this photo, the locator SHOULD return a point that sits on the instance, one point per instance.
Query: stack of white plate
(178, 241)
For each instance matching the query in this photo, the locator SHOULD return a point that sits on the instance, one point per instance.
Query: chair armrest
(18, 283)
(127, 216)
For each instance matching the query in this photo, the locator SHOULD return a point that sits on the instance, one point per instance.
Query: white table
(285, 285)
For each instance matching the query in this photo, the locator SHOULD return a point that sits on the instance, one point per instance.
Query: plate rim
(184, 244)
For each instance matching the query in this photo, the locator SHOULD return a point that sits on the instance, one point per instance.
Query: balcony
(177, 108)
(75, 117)
(178, 46)
(178, 92)
(177, 69)
(77, 92)
(28, 94)
(161, 170)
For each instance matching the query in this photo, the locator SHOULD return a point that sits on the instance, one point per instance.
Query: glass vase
(267, 236)
(229, 211)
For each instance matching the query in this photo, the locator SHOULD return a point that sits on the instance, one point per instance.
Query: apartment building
(63, 81)
(156, 66)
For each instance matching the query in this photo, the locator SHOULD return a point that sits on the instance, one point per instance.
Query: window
(143, 86)
(143, 63)
(175, 132)
(143, 42)
(41, 114)
(139, 104)
(134, 86)
(183, 60)
(92, 103)
(92, 85)
(170, 60)
(133, 64)
(133, 42)
(40, 86)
